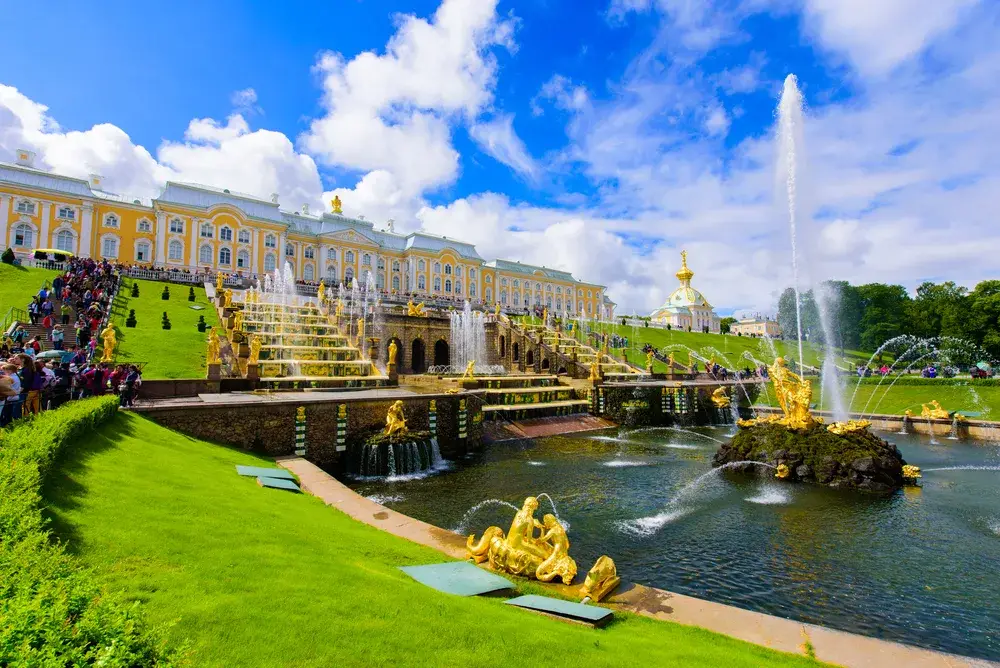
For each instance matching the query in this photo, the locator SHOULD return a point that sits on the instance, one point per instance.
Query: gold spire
(335, 204)
(684, 274)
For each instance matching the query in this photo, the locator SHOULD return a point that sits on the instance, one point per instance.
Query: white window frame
(111, 220)
(206, 231)
(176, 226)
(110, 238)
(270, 241)
(27, 235)
(25, 206)
(149, 250)
(270, 262)
(66, 213)
(225, 233)
(64, 233)
(175, 243)
(309, 253)
(203, 250)
(227, 259)
(243, 236)
(144, 225)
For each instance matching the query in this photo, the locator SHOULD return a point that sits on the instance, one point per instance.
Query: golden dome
(684, 274)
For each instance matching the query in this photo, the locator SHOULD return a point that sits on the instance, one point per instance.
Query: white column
(161, 238)
(4, 211)
(254, 244)
(194, 229)
(43, 241)
(280, 264)
(321, 263)
(86, 241)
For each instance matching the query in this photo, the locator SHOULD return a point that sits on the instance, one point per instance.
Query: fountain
(394, 450)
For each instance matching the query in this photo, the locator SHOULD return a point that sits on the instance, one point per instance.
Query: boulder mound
(857, 460)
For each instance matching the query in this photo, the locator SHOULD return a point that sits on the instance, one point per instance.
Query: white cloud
(563, 93)
(498, 138)
(717, 122)
(393, 111)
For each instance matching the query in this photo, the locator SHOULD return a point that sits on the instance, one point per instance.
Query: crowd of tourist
(31, 381)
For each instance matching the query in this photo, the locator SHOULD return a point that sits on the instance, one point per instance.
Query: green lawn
(19, 284)
(257, 577)
(898, 398)
(175, 353)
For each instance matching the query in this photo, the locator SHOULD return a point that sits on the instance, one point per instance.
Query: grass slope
(267, 578)
(19, 284)
(178, 352)
(898, 398)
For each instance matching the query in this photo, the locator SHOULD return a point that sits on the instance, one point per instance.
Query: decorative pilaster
(432, 418)
(4, 213)
(86, 230)
(254, 245)
(194, 229)
(43, 241)
(341, 428)
(161, 238)
(300, 431)
(463, 418)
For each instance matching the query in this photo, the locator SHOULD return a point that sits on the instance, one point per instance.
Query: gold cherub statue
(395, 421)
(254, 350)
(601, 580)
(720, 398)
(321, 291)
(794, 396)
(335, 204)
(521, 552)
(213, 346)
(340, 307)
(595, 369)
(110, 341)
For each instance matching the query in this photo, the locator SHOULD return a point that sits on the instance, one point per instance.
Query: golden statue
(601, 580)
(496, 309)
(340, 307)
(470, 370)
(782, 472)
(794, 395)
(841, 428)
(335, 205)
(321, 291)
(395, 422)
(254, 349)
(911, 472)
(110, 341)
(393, 349)
(595, 369)
(228, 298)
(649, 361)
(218, 283)
(545, 316)
(670, 362)
(934, 411)
(720, 398)
(238, 321)
(213, 346)
(543, 557)
(415, 311)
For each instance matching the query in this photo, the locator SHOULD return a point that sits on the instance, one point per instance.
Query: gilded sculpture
(393, 349)
(911, 472)
(782, 471)
(496, 309)
(227, 298)
(213, 346)
(841, 428)
(321, 291)
(336, 205)
(218, 283)
(794, 395)
(238, 321)
(110, 341)
(544, 557)
(601, 580)
(470, 370)
(720, 398)
(649, 361)
(415, 311)
(340, 307)
(395, 421)
(255, 346)
(934, 411)
(595, 369)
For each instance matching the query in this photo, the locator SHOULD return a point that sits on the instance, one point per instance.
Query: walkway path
(837, 647)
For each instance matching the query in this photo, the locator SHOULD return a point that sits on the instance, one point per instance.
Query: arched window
(489, 295)
(503, 282)
(64, 240)
(270, 241)
(548, 288)
(175, 250)
(538, 286)
(205, 254)
(24, 206)
(309, 252)
(308, 273)
(207, 231)
(144, 225)
(558, 303)
(270, 262)
(421, 283)
(226, 234)
(349, 275)
(243, 259)
(503, 297)
(458, 270)
(109, 247)
(395, 283)
(380, 281)
(517, 297)
(489, 278)
(472, 274)
(447, 269)
(472, 289)
(437, 284)
(548, 301)
(142, 251)
(349, 257)
(366, 260)
(23, 235)
(243, 236)
(447, 285)
(458, 287)
(558, 289)
(176, 226)
(421, 265)
(225, 256)
(395, 265)
(331, 272)
(437, 267)
(289, 250)
(331, 254)
(111, 220)
(516, 284)
(66, 213)
(381, 263)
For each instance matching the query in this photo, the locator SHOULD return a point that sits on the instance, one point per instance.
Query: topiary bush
(202, 325)
(135, 288)
(52, 610)
(165, 321)
(191, 294)
(130, 320)
(8, 256)
(165, 295)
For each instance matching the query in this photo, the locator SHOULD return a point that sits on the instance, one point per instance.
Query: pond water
(918, 567)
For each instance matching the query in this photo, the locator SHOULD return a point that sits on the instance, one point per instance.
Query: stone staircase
(518, 398)
(569, 349)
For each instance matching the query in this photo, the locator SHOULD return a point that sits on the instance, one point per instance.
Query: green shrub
(52, 611)
(920, 380)
(7, 257)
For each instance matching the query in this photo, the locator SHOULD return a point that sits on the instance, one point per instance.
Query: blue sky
(600, 137)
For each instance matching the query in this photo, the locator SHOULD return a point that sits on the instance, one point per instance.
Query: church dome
(684, 274)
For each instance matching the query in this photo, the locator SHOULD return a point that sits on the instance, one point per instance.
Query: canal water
(918, 567)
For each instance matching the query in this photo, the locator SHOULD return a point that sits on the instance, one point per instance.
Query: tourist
(57, 336)
(10, 393)
(65, 311)
(33, 311)
(31, 385)
(133, 380)
(47, 322)
(33, 347)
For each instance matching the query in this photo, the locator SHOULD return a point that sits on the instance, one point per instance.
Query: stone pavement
(836, 647)
(282, 397)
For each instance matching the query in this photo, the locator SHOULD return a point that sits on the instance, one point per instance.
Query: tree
(885, 313)
(725, 325)
(982, 323)
(812, 329)
(938, 310)
(845, 307)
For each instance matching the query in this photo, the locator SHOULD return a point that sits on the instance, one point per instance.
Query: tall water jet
(468, 337)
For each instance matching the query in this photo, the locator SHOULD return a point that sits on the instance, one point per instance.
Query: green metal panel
(278, 483)
(457, 577)
(257, 471)
(589, 613)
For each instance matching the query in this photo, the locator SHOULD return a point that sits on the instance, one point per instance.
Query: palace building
(198, 228)
(686, 308)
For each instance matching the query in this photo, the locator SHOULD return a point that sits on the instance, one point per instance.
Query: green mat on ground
(592, 614)
(257, 471)
(457, 577)
(277, 483)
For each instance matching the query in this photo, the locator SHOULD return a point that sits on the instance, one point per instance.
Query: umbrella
(49, 354)
(984, 366)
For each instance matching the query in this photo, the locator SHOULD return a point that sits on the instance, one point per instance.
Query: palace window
(558, 289)
(226, 234)
(111, 220)
(331, 254)
(437, 267)
(503, 297)
(458, 270)
(447, 269)
(109, 247)
(366, 260)
(437, 284)
(548, 301)
(395, 265)
(66, 213)
(175, 250)
(205, 255)
(23, 235)
(176, 226)
(458, 287)
(331, 272)
(243, 236)
(421, 265)
(142, 251)
(308, 273)
(270, 241)
(558, 304)
(589, 294)
(517, 297)
(447, 285)
(24, 206)
(289, 250)
(472, 274)
(64, 241)
(421, 283)
(472, 289)
(381, 263)
(207, 231)
(489, 278)
(349, 257)
(516, 284)
(309, 252)
(489, 295)
(144, 225)
(349, 275)
(548, 288)
(225, 256)
(395, 283)
(380, 282)
(538, 286)
(503, 282)
(270, 262)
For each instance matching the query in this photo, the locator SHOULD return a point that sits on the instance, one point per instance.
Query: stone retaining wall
(983, 430)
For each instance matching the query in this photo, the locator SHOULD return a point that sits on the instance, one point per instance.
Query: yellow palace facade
(199, 228)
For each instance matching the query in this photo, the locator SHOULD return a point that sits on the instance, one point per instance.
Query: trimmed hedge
(52, 611)
(920, 380)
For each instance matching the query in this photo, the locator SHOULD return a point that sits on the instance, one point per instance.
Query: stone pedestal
(253, 372)
(214, 371)
(393, 373)
(470, 384)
